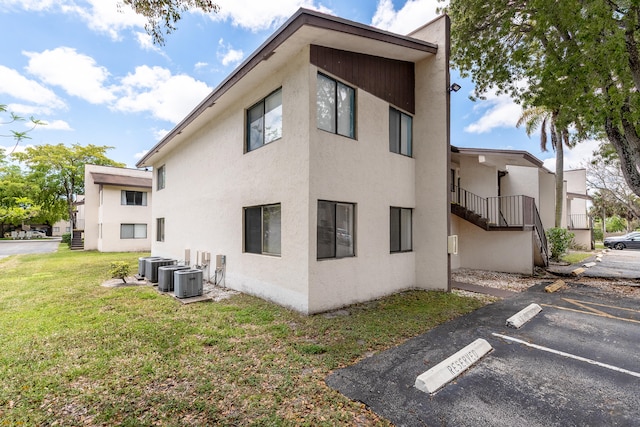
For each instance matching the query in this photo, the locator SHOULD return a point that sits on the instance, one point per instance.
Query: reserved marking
(450, 368)
(569, 355)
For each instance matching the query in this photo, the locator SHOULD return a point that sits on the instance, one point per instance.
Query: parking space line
(569, 355)
(593, 311)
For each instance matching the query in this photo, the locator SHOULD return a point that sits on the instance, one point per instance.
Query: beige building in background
(576, 218)
(503, 201)
(319, 168)
(117, 209)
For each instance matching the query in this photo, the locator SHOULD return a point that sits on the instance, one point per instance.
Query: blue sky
(88, 69)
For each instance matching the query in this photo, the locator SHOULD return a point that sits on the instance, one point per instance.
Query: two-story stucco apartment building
(319, 168)
(117, 209)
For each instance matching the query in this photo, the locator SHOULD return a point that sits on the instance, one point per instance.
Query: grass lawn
(573, 257)
(75, 353)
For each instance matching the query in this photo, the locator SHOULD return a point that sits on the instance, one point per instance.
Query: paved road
(575, 363)
(17, 247)
(624, 264)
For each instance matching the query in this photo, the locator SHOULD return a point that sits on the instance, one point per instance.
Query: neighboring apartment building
(503, 201)
(318, 168)
(576, 218)
(117, 209)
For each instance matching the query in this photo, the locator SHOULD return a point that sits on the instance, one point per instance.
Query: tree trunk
(557, 142)
(629, 159)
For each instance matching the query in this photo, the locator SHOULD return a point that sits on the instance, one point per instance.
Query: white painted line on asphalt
(523, 316)
(569, 355)
(451, 367)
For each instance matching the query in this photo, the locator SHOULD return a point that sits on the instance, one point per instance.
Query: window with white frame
(336, 111)
(264, 121)
(336, 232)
(133, 231)
(401, 230)
(262, 229)
(133, 198)
(160, 229)
(400, 132)
(56, 229)
(161, 177)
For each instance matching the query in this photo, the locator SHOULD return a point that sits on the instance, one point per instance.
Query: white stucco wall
(106, 210)
(547, 198)
(505, 251)
(432, 157)
(478, 178)
(112, 214)
(521, 180)
(209, 180)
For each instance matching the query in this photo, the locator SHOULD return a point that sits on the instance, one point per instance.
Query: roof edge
(300, 18)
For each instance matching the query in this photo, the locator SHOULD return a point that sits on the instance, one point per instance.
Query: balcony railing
(504, 211)
(579, 222)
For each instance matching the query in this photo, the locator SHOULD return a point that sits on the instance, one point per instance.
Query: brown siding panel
(388, 79)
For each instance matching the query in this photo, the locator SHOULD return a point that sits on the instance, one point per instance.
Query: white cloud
(200, 65)
(413, 15)
(141, 154)
(109, 17)
(154, 89)
(146, 43)
(228, 55)
(55, 125)
(576, 157)
(14, 84)
(258, 15)
(77, 74)
(498, 111)
(160, 133)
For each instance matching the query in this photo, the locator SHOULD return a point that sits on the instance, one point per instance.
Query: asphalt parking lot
(575, 363)
(18, 247)
(614, 264)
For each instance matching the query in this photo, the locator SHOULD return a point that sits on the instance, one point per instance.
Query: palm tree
(541, 117)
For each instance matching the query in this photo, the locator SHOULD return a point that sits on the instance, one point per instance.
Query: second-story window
(400, 132)
(336, 107)
(133, 198)
(264, 121)
(161, 177)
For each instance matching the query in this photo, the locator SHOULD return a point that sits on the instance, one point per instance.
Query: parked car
(631, 241)
(37, 234)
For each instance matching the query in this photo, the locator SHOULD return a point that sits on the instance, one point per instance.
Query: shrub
(119, 270)
(597, 235)
(559, 240)
(616, 224)
(66, 238)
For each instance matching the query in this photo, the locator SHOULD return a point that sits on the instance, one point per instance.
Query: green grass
(576, 256)
(75, 353)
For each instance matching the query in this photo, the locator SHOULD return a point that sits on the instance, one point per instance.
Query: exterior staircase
(502, 213)
(77, 243)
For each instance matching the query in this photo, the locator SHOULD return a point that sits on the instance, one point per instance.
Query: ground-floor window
(133, 231)
(336, 232)
(160, 229)
(401, 229)
(262, 229)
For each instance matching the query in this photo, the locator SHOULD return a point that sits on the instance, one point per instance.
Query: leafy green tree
(612, 194)
(162, 15)
(575, 57)
(615, 224)
(60, 170)
(17, 197)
